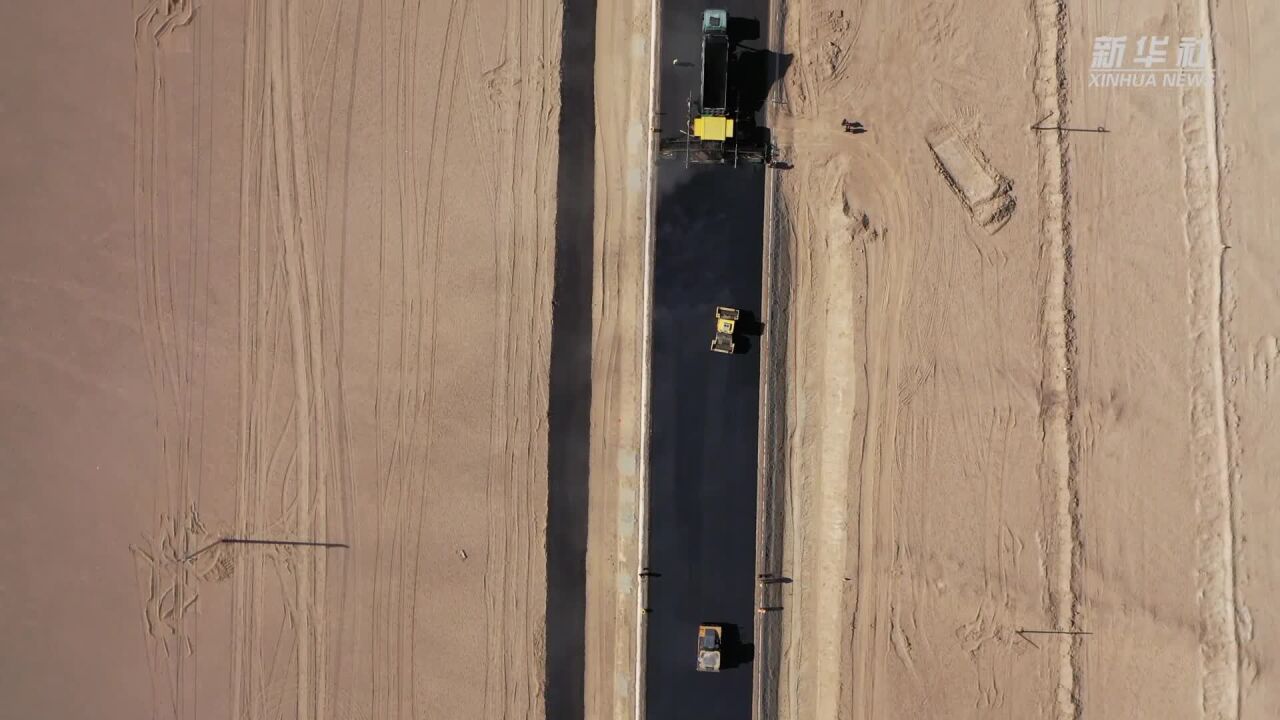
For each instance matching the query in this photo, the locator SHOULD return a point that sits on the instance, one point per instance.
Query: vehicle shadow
(733, 652)
(748, 328)
(753, 74)
(743, 29)
(749, 324)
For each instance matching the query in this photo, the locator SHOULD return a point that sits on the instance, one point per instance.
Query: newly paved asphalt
(704, 407)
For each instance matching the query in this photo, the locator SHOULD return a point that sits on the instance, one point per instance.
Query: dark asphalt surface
(569, 410)
(704, 406)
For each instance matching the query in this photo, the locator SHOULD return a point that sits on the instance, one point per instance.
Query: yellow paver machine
(712, 133)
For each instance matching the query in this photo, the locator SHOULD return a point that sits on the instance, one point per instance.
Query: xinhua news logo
(1150, 64)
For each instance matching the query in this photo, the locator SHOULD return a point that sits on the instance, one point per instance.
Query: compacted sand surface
(1023, 375)
(283, 271)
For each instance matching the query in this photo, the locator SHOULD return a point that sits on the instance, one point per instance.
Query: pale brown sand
(623, 74)
(1054, 423)
(277, 270)
(77, 435)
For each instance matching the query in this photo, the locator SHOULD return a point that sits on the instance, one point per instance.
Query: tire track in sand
(292, 435)
(887, 266)
(828, 261)
(255, 299)
(409, 231)
(296, 197)
(170, 260)
(1213, 455)
(1057, 385)
(525, 113)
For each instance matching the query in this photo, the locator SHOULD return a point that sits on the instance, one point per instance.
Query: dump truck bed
(715, 73)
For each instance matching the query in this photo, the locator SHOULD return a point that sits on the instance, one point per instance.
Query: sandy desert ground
(1024, 377)
(277, 270)
(623, 74)
(282, 270)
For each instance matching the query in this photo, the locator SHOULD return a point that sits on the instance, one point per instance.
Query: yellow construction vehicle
(715, 131)
(726, 323)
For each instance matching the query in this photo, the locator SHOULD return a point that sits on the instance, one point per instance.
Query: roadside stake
(1038, 126)
(1024, 633)
(256, 541)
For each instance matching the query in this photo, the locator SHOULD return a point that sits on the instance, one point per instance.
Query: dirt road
(1025, 372)
(620, 301)
(329, 301)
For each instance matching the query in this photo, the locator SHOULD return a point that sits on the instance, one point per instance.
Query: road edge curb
(646, 343)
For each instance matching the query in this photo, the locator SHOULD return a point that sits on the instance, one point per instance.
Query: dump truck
(709, 639)
(715, 132)
(712, 122)
(726, 324)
